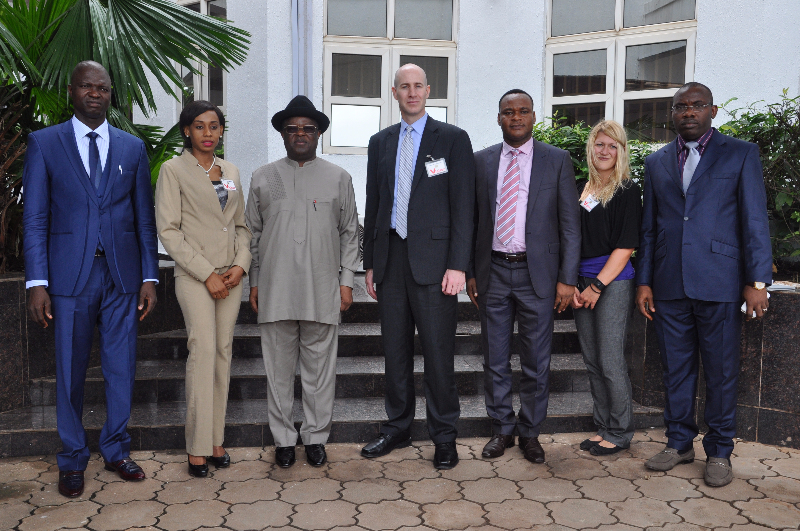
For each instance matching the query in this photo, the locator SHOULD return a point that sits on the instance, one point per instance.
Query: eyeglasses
(682, 109)
(295, 129)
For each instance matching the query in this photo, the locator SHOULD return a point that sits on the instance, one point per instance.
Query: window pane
(194, 7)
(579, 73)
(353, 125)
(437, 113)
(649, 120)
(188, 85)
(655, 66)
(356, 75)
(436, 70)
(582, 16)
(423, 19)
(218, 8)
(588, 113)
(645, 12)
(365, 18)
(215, 86)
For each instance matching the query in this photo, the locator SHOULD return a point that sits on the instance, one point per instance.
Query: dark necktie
(95, 169)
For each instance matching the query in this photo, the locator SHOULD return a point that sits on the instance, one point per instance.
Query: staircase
(159, 409)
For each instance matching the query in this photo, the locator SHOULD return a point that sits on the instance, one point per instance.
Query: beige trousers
(315, 345)
(209, 323)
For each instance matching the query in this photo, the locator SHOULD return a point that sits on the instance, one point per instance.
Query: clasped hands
(584, 299)
(219, 285)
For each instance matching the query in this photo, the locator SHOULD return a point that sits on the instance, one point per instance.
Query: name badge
(436, 167)
(228, 184)
(589, 203)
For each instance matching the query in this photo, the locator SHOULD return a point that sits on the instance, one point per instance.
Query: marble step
(356, 377)
(32, 430)
(355, 339)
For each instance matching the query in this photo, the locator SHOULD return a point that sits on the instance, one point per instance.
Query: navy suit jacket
(439, 209)
(705, 244)
(552, 223)
(63, 215)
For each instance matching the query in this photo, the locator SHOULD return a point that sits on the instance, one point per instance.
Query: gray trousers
(602, 333)
(283, 343)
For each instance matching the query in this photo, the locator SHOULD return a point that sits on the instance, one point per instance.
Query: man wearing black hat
(302, 212)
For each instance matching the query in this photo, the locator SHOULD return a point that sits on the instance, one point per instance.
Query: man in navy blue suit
(90, 248)
(704, 249)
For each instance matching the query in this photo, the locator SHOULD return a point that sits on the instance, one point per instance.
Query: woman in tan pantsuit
(200, 221)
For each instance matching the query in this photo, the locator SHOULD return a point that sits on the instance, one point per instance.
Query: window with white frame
(366, 41)
(621, 60)
(211, 84)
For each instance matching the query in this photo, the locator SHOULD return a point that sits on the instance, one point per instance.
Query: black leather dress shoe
(198, 471)
(531, 449)
(602, 450)
(385, 444)
(284, 456)
(315, 453)
(127, 469)
(497, 445)
(70, 483)
(446, 456)
(220, 462)
(587, 444)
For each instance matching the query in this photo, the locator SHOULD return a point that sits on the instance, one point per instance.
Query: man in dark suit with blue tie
(417, 241)
(90, 260)
(704, 248)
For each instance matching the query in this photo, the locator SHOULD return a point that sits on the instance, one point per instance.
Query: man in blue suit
(704, 249)
(90, 247)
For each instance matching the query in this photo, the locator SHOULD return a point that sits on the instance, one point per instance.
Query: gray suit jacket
(552, 227)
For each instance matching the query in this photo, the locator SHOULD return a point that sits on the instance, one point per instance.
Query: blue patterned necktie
(95, 169)
(405, 177)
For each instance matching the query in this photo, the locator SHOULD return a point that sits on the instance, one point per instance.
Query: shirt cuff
(346, 278)
(150, 280)
(31, 283)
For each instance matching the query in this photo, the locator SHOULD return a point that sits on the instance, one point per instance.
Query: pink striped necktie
(507, 210)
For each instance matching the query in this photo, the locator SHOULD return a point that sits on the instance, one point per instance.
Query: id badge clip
(436, 167)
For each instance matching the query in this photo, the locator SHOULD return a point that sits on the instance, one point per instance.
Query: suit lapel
(669, 159)
(391, 156)
(429, 138)
(114, 159)
(67, 136)
(492, 169)
(717, 146)
(539, 166)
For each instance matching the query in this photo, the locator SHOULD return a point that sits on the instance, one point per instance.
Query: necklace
(209, 168)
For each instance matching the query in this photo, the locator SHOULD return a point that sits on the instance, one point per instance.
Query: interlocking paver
(472, 469)
(409, 452)
(409, 470)
(580, 514)
(490, 490)
(193, 515)
(324, 515)
(49, 495)
(548, 489)
(121, 516)
(643, 511)
(745, 527)
(26, 470)
(556, 452)
(737, 490)
(574, 469)
(707, 512)
(371, 490)
(425, 490)
(667, 488)
(771, 513)
(18, 491)
(249, 491)
(244, 454)
(678, 527)
(779, 488)
(453, 515)
(645, 450)
(241, 471)
(74, 514)
(617, 527)
(171, 456)
(607, 489)
(172, 472)
(786, 467)
(751, 468)
(310, 490)
(297, 472)
(355, 469)
(189, 491)
(629, 468)
(512, 514)
(12, 513)
(343, 452)
(389, 515)
(127, 491)
(693, 470)
(258, 515)
(521, 470)
(571, 438)
(757, 451)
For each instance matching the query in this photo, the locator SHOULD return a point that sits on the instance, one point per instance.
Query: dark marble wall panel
(778, 428)
(749, 387)
(12, 362)
(780, 379)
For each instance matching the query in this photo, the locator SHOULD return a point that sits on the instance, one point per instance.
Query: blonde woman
(611, 208)
(200, 221)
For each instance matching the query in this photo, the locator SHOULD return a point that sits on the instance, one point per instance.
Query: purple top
(591, 267)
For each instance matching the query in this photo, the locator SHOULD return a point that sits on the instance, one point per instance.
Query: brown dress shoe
(126, 468)
(531, 449)
(70, 483)
(497, 445)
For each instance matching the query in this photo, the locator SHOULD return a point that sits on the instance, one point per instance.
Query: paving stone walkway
(572, 491)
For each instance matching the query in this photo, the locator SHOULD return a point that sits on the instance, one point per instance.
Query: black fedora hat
(301, 106)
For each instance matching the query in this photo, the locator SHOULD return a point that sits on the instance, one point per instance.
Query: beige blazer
(200, 236)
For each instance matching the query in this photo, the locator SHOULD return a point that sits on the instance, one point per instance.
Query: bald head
(84, 66)
(409, 70)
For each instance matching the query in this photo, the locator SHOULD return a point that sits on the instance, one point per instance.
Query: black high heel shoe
(223, 461)
(198, 471)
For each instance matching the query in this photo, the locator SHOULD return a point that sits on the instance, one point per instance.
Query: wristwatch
(599, 285)
(758, 285)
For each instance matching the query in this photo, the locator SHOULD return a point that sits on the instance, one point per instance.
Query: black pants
(403, 305)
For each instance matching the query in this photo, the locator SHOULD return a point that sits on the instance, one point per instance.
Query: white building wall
(748, 49)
